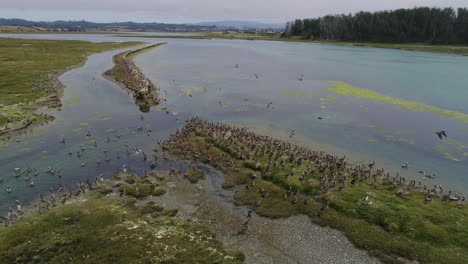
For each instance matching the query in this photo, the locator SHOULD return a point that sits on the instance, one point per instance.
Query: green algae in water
(342, 88)
(84, 124)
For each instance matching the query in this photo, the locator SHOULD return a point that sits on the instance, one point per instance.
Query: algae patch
(341, 88)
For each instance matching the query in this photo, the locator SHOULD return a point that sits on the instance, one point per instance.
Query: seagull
(301, 77)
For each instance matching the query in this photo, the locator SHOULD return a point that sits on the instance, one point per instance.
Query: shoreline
(445, 49)
(382, 213)
(127, 75)
(51, 100)
(205, 203)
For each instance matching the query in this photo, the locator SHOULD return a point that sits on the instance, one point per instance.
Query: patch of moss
(194, 175)
(138, 187)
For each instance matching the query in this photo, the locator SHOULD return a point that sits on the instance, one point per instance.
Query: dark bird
(441, 134)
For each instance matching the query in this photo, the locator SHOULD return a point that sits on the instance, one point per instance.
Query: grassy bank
(29, 70)
(100, 226)
(393, 219)
(129, 75)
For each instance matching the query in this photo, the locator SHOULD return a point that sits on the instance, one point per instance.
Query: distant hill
(246, 24)
(90, 26)
(7, 29)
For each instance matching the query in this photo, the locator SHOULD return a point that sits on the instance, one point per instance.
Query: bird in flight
(441, 134)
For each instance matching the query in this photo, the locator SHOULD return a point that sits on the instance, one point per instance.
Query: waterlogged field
(367, 103)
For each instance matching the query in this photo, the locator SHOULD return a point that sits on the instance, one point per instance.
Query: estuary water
(271, 87)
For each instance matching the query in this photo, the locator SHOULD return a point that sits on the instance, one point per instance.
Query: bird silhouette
(441, 134)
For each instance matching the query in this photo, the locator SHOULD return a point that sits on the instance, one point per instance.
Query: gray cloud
(184, 11)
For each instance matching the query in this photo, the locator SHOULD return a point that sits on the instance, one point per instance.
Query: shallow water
(205, 69)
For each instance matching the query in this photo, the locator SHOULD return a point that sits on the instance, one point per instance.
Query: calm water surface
(200, 78)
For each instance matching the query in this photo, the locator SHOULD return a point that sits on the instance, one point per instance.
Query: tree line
(416, 25)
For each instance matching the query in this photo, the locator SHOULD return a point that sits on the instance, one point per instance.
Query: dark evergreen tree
(417, 25)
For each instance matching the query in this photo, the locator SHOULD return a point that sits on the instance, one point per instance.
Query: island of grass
(395, 219)
(29, 71)
(129, 75)
(108, 227)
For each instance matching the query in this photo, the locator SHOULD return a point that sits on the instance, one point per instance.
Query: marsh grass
(194, 175)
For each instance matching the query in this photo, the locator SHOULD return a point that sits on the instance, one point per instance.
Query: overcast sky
(188, 11)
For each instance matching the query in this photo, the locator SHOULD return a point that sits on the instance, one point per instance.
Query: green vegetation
(341, 88)
(140, 188)
(392, 225)
(29, 70)
(416, 25)
(107, 229)
(194, 175)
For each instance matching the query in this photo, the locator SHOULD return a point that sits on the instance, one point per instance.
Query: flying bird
(441, 134)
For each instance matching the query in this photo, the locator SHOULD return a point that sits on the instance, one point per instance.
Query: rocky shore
(125, 72)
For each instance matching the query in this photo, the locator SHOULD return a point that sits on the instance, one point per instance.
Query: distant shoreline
(444, 49)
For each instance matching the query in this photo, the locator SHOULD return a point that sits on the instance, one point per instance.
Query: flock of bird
(30, 174)
(335, 172)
